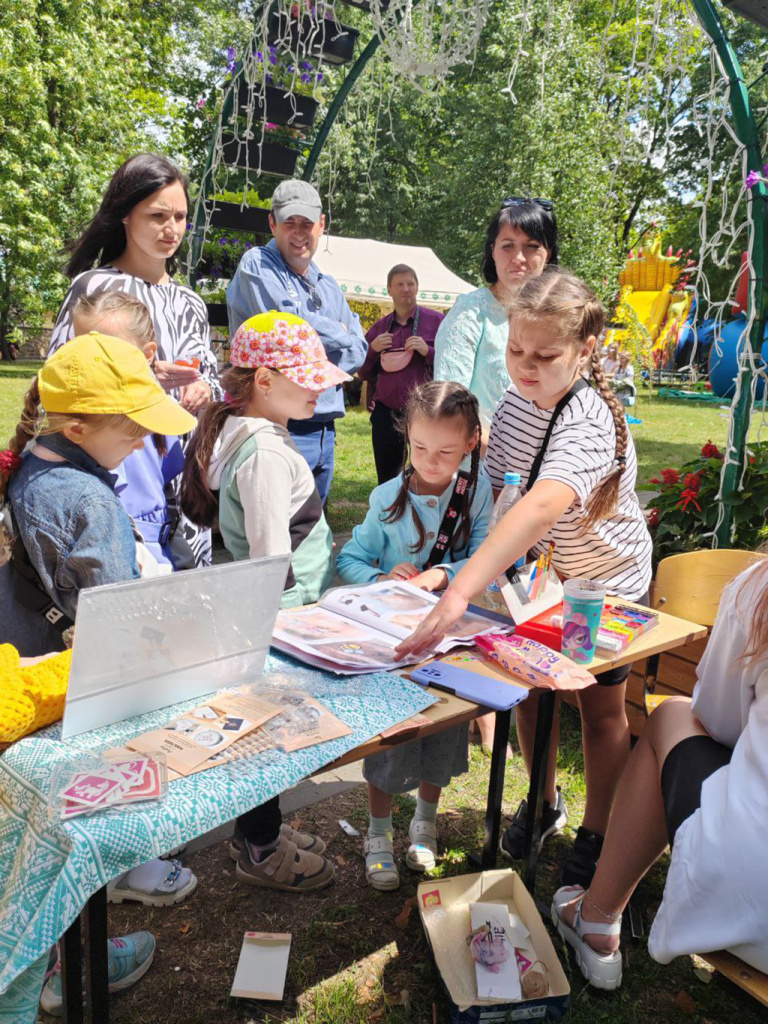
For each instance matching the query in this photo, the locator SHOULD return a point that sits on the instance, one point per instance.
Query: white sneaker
(422, 853)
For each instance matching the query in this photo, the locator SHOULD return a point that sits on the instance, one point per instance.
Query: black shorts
(685, 768)
(617, 676)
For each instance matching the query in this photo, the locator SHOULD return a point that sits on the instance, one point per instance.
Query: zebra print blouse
(182, 332)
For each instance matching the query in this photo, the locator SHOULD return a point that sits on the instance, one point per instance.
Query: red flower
(655, 480)
(686, 498)
(670, 476)
(692, 482)
(711, 451)
(653, 518)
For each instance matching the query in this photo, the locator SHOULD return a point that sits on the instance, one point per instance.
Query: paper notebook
(356, 629)
(262, 966)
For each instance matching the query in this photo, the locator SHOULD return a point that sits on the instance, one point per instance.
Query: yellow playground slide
(650, 309)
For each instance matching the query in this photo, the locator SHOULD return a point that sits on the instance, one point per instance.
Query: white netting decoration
(425, 39)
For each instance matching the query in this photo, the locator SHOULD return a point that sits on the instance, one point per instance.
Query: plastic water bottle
(509, 495)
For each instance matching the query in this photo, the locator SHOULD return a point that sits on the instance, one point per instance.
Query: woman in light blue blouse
(472, 340)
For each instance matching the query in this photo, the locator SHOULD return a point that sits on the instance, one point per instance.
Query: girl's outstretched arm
(522, 527)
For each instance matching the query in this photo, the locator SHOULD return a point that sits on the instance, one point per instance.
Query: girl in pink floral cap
(244, 470)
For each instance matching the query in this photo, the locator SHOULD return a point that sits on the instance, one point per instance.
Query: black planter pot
(254, 220)
(275, 159)
(335, 42)
(280, 109)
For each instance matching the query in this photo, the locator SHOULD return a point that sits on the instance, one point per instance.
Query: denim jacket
(388, 544)
(76, 534)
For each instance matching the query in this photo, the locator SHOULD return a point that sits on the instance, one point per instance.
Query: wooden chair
(690, 586)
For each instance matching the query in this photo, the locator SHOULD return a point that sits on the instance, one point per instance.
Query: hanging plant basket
(274, 158)
(313, 37)
(277, 107)
(232, 217)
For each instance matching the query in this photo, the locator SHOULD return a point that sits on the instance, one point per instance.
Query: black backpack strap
(579, 385)
(29, 591)
(450, 519)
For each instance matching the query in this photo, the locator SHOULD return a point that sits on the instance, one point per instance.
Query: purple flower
(189, 225)
(291, 69)
(320, 76)
(222, 241)
(249, 245)
(231, 58)
(752, 179)
(272, 55)
(306, 66)
(306, 78)
(259, 56)
(200, 103)
(268, 79)
(765, 170)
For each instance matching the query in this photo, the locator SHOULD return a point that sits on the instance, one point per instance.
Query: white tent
(360, 265)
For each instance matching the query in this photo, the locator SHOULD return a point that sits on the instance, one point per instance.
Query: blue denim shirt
(75, 531)
(264, 281)
(388, 544)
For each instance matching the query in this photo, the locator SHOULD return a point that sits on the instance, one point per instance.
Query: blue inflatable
(724, 367)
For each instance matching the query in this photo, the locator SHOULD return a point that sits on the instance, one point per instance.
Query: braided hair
(438, 400)
(576, 314)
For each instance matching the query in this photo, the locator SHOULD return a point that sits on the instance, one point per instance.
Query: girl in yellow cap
(63, 527)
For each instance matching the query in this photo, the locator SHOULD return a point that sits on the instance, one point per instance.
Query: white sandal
(380, 868)
(602, 970)
(422, 853)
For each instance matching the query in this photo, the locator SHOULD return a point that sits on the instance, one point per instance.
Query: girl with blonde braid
(583, 499)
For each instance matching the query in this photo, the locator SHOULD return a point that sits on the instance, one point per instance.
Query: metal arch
(747, 131)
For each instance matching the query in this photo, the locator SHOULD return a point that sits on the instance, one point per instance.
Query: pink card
(90, 789)
(149, 788)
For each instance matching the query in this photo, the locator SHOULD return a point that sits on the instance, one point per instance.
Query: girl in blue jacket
(421, 527)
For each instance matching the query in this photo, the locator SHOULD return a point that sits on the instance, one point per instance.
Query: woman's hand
(402, 571)
(171, 376)
(430, 579)
(195, 397)
(445, 614)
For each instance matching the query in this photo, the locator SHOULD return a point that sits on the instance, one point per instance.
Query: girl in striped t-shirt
(583, 499)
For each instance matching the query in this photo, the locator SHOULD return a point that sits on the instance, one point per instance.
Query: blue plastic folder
(491, 693)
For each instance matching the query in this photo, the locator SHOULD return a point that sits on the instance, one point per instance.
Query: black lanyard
(415, 322)
(450, 519)
(579, 385)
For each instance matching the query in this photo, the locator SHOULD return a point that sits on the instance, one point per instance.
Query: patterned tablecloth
(49, 869)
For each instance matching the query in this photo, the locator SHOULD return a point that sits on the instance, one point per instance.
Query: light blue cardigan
(391, 543)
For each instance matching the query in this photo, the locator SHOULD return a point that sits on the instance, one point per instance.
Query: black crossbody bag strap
(450, 519)
(29, 591)
(536, 467)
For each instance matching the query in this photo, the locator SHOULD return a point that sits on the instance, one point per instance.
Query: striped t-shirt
(580, 453)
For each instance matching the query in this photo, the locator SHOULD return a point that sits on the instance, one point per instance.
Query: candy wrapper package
(533, 663)
(87, 785)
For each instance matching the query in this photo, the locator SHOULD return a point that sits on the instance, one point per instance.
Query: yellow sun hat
(96, 374)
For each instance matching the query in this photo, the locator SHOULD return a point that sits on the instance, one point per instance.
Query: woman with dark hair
(130, 246)
(471, 341)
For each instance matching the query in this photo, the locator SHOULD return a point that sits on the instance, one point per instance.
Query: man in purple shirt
(401, 355)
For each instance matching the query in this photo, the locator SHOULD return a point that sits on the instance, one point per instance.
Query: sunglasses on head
(545, 204)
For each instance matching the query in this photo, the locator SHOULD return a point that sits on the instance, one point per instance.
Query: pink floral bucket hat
(284, 342)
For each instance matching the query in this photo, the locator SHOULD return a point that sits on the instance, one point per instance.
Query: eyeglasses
(545, 204)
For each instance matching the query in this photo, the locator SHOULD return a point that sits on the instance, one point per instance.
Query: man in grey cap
(282, 276)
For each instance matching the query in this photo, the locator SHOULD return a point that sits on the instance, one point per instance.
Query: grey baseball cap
(296, 198)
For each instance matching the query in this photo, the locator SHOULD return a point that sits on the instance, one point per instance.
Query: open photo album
(356, 629)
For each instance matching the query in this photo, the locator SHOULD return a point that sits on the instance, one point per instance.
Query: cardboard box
(444, 910)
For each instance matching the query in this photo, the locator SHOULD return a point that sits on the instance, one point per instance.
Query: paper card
(303, 722)
(190, 740)
(90, 789)
(494, 955)
(262, 966)
(409, 725)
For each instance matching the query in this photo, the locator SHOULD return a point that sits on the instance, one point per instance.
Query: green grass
(14, 381)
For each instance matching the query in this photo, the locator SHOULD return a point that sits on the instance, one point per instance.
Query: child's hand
(430, 579)
(445, 614)
(402, 571)
(194, 397)
(171, 375)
